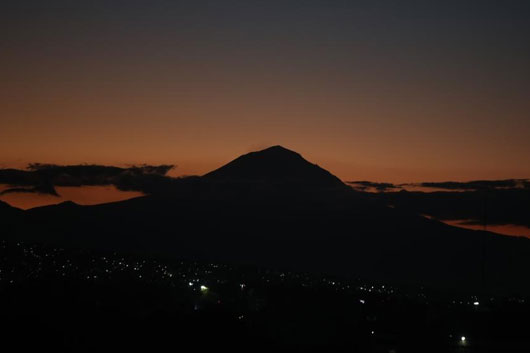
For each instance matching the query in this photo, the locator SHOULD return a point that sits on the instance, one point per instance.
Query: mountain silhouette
(335, 230)
(11, 219)
(277, 165)
(4, 205)
(7, 210)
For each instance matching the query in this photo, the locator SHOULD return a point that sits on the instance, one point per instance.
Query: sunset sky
(396, 91)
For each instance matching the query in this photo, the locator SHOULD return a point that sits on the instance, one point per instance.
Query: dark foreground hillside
(339, 233)
(85, 301)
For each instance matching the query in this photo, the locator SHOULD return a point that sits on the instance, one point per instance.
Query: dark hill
(7, 210)
(4, 206)
(10, 219)
(276, 165)
(334, 235)
(335, 230)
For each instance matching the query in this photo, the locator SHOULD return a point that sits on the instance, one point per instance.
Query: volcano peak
(275, 164)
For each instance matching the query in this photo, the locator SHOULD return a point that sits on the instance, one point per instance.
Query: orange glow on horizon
(84, 195)
(368, 98)
(503, 229)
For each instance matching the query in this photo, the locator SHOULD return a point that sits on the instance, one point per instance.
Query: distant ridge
(261, 209)
(4, 206)
(8, 214)
(61, 206)
(275, 164)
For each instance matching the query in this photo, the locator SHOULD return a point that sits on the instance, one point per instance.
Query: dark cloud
(480, 184)
(475, 185)
(17, 177)
(43, 178)
(39, 189)
(495, 206)
(366, 185)
(151, 169)
(492, 201)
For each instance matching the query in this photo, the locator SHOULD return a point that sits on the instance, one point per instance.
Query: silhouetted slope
(4, 206)
(340, 235)
(7, 210)
(11, 218)
(275, 165)
(502, 206)
(334, 230)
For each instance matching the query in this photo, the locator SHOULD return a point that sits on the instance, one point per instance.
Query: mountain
(336, 230)
(4, 205)
(11, 218)
(277, 165)
(7, 210)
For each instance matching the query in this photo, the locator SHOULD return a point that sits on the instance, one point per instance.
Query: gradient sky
(379, 90)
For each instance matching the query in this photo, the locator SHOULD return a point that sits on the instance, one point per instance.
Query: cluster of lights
(194, 272)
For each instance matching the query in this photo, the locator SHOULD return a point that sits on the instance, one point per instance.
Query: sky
(395, 91)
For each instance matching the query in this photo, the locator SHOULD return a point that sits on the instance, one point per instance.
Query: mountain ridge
(235, 215)
(275, 164)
